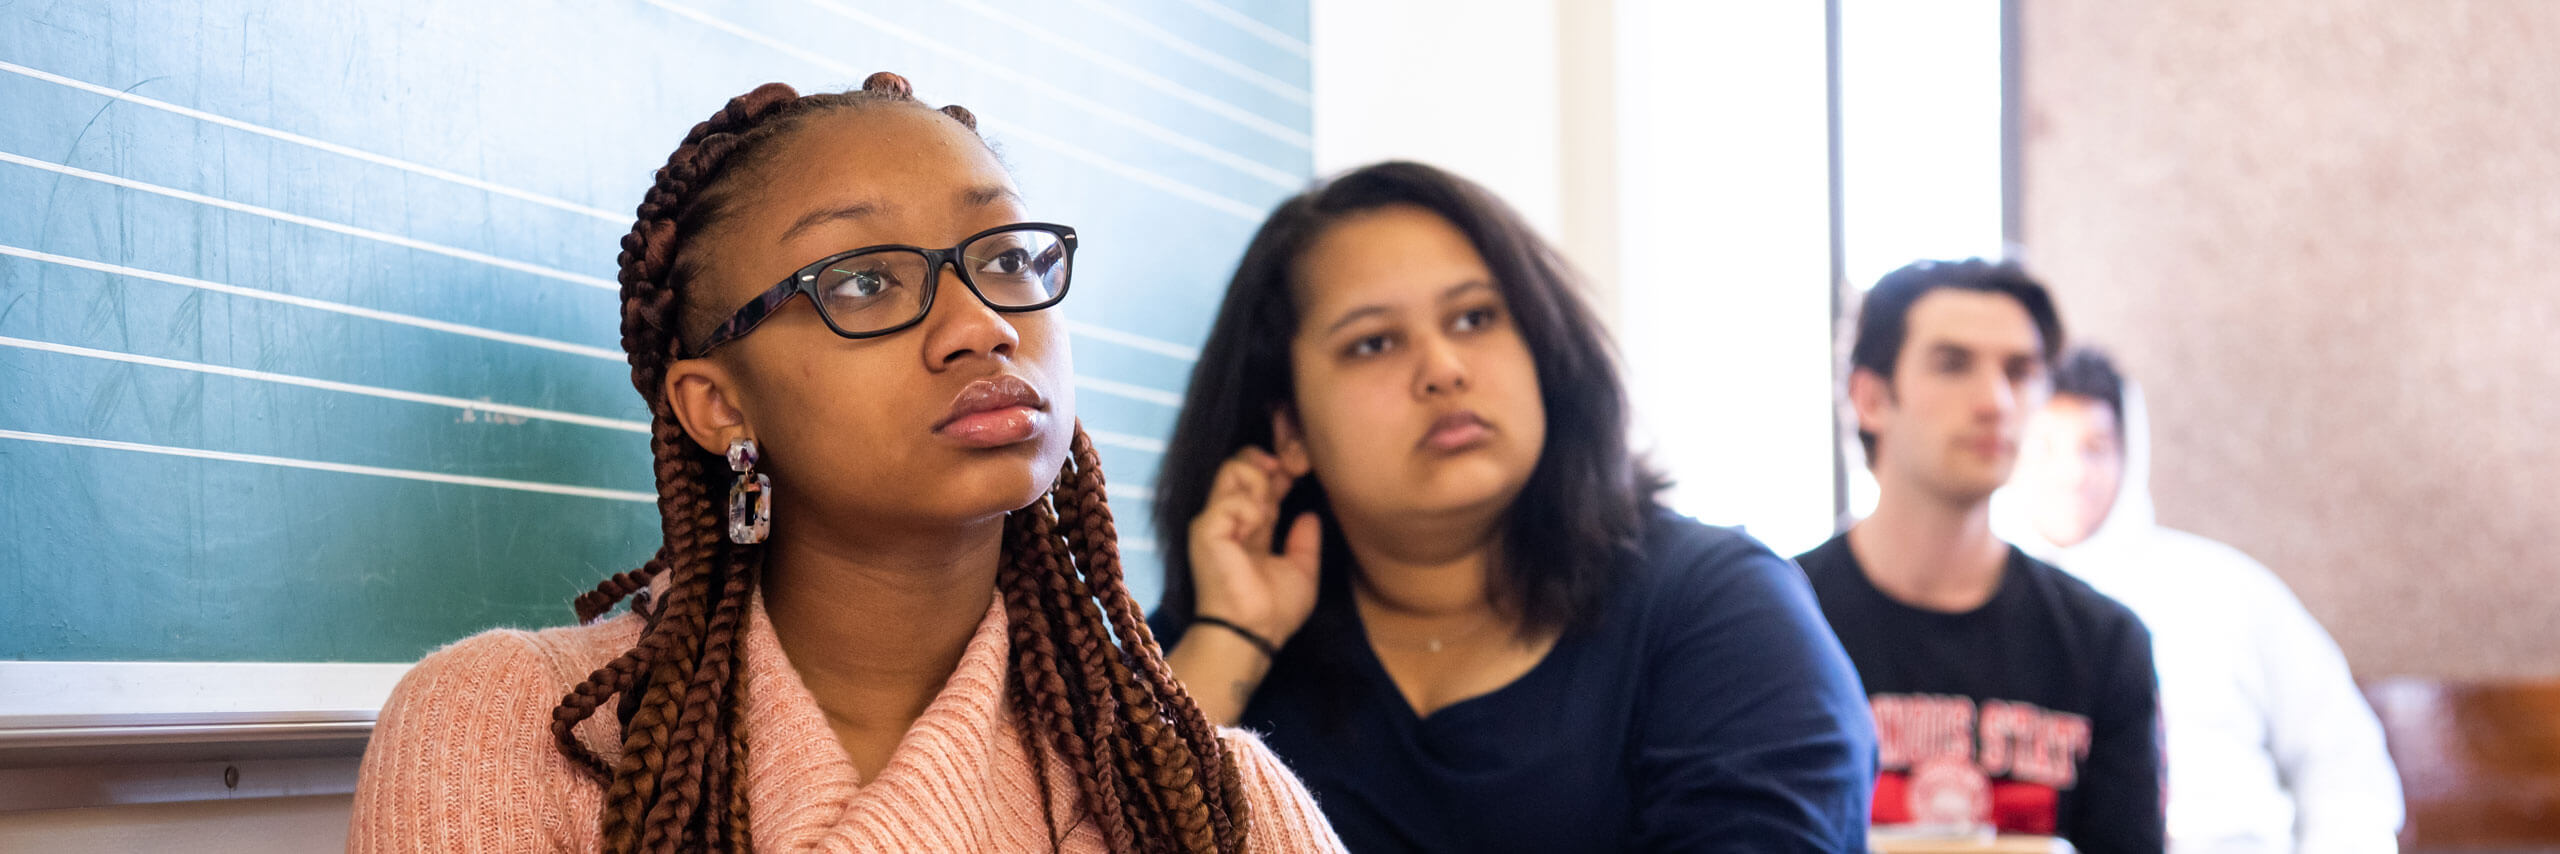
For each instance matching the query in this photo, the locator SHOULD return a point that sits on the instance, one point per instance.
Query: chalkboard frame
(51, 710)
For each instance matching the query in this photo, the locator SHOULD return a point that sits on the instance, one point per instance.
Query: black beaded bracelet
(1269, 649)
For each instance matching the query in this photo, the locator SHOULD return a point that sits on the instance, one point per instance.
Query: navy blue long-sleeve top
(1708, 708)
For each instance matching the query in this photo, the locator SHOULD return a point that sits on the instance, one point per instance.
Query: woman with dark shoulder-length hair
(1405, 538)
(905, 628)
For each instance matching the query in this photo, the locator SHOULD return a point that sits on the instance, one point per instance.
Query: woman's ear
(1289, 443)
(704, 397)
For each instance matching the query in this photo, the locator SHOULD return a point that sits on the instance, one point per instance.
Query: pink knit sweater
(462, 759)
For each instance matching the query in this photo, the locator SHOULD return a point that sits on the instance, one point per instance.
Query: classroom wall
(1482, 97)
(1674, 153)
(2319, 232)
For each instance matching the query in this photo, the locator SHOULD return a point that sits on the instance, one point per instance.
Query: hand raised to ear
(1238, 577)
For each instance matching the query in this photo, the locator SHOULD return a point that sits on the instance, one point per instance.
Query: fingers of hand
(1306, 543)
(1247, 494)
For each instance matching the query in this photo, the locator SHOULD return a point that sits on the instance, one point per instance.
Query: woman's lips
(994, 412)
(1456, 431)
(995, 428)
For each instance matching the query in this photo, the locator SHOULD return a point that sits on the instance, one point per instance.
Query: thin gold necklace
(1435, 643)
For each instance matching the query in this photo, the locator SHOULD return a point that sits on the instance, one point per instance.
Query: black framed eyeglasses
(878, 290)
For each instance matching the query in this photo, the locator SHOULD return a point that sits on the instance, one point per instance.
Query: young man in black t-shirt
(2005, 692)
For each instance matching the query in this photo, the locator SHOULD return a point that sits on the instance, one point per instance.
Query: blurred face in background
(1949, 420)
(2073, 467)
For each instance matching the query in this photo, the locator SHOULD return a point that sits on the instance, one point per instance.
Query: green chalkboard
(307, 334)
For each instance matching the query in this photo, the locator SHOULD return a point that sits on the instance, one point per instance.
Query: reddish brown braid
(1086, 514)
(1086, 678)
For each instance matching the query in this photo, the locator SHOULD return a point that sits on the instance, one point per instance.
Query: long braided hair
(1086, 678)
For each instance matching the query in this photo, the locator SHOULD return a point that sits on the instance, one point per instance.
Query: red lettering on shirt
(2028, 754)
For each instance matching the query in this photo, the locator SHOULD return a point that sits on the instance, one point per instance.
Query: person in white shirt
(2270, 746)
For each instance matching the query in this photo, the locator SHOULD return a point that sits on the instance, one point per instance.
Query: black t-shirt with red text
(2037, 712)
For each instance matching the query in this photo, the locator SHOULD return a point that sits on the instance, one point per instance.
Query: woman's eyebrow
(1353, 315)
(976, 197)
(979, 197)
(855, 210)
(1460, 289)
(1451, 293)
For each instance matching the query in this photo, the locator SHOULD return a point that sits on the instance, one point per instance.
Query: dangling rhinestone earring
(751, 498)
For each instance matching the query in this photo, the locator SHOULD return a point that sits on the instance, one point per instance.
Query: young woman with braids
(1407, 542)
(905, 627)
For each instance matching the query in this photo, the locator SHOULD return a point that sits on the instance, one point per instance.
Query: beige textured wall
(2326, 235)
